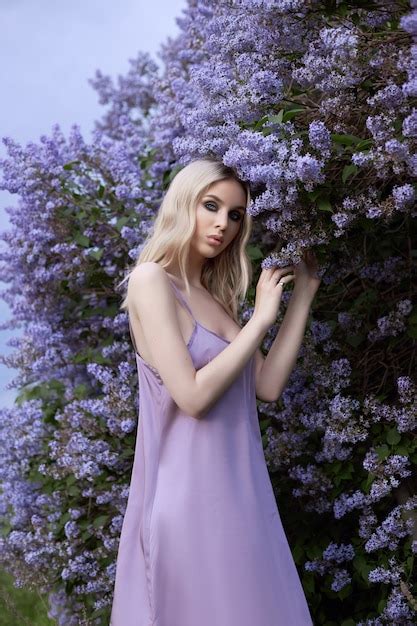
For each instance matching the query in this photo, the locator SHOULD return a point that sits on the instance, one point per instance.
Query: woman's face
(219, 212)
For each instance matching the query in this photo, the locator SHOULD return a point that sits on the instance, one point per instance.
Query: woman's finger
(286, 279)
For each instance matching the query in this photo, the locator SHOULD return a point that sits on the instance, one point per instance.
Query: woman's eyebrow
(211, 195)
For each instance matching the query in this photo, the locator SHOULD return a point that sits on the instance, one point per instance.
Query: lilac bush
(314, 103)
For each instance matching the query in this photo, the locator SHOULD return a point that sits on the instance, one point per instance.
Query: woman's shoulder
(144, 278)
(147, 268)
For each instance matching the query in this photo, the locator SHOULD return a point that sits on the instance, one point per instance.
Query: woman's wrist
(304, 292)
(259, 325)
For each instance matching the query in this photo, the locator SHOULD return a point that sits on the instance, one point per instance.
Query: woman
(202, 542)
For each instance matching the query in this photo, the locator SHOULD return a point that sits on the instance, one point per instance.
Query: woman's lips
(213, 241)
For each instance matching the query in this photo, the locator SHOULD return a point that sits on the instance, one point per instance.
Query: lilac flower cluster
(384, 575)
(332, 556)
(319, 137)
(393, 528)
(314, 485)
(392, 324)
(404, 416)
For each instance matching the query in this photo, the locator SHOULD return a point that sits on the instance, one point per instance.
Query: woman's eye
(235, 215)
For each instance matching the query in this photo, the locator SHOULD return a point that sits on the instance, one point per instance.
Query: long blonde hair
(227, 276)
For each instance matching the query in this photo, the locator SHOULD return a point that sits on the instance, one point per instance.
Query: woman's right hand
(269, 292)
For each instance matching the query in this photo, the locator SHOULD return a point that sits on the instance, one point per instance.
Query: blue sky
(48, 51)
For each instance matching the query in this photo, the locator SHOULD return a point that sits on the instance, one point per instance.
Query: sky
(48, 51)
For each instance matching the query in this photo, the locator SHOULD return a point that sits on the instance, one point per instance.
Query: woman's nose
(221, 219)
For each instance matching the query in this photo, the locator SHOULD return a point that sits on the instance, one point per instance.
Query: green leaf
(80, 392)
(100, 521)
(347, 140)
(412, 332)
(364, 144)
(70, 480)
(366, 484)
(5, 529)
(403, 450)
(297, 553)
(65, 518)
(99, 612)
(82, 240)
(127, 452)
(362, 567)
(355, 340)
(276, 119)
(169, 175)
(265, 423)
(260, 123)
(121, 222)
(146, 160)
(314, 552)
(313, 195)
(347, 471)
(308, 582)
(96, 254)
(393, 436)
(382, 451)
(254, 252)
(288, 115)
(348, 170)
(324, 205)
(342, 10)
(368, 84)
(69, 165)
(345, 592)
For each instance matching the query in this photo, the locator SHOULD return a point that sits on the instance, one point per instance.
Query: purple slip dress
(202, 543)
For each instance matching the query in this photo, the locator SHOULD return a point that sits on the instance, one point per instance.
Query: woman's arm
(151, 298)
(273, 373)
(282, 356)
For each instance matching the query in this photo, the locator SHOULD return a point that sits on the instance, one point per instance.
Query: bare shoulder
(145, 279)
(144, 271)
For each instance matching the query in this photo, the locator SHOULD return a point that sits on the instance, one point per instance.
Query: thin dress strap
(181, 298)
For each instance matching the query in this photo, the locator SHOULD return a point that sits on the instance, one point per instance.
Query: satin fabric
(202, 543)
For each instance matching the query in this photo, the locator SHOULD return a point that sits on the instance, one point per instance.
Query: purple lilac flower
(319, 136)
(404, 196)
(392, 324)
(308, 170)
(410, 124)
(397, 149)
(341, 578)
(397, 609)
(390, 97)
(409, 23)
(339, 553)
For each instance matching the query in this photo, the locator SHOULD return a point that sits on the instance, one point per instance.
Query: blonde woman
(202, 542)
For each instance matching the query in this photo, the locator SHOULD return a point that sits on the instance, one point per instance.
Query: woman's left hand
(305, 273)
